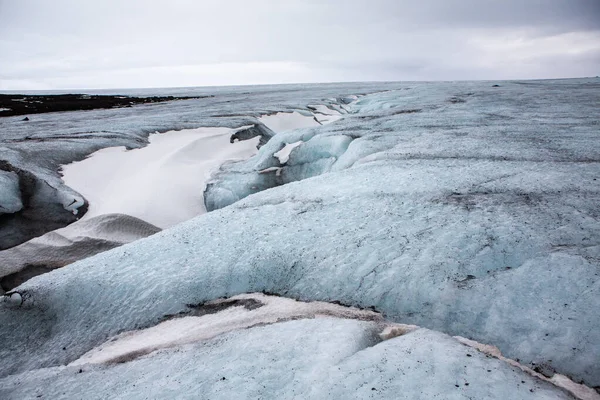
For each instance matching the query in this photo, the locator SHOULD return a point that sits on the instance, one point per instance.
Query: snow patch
(324, 114)
(286, 121)
(162, 183)
(396, 330)
(277, 170)
(179, 331)
(284, 154)
(323, 109)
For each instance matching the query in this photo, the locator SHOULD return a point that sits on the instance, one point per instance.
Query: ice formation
(467, 210)
(10, 198)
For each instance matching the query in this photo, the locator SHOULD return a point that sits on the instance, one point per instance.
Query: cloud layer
(155, 43)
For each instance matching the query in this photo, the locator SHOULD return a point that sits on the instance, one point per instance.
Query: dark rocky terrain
(19, 104)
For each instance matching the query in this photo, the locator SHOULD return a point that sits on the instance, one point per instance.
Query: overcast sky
(61, 44)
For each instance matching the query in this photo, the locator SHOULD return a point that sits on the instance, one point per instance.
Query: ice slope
(459, 207)
(327, 351)
(503, 270)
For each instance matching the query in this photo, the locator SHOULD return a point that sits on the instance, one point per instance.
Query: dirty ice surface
(63, 246)
(463, 208)
(256, 346)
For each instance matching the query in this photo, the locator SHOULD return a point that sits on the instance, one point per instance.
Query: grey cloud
(81, 43)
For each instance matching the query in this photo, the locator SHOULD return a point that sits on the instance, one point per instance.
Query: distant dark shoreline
(20, 104)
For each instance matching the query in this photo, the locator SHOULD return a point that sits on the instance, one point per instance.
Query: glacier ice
(453, 206)
(327, 351)
(496, 268)
(10, 196)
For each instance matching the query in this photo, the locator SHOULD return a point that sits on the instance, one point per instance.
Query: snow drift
(63, 246)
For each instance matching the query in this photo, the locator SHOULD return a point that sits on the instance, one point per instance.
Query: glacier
(64, 246)
(462, 208)
(322, 353)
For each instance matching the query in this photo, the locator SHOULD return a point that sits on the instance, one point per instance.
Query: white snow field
(161, 183)
(466, 209)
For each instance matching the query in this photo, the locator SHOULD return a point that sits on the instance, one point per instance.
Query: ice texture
(10, 194)
(459, 207)
(321, 358)
(495, 268)
(35, 205)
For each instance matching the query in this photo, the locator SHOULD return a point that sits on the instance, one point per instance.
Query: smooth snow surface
(285, 121)
(162, 183)
(74, 242)
(284, 154)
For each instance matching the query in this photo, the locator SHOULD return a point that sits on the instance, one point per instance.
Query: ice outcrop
(58, 248)
(234, 181)
(257, 130)
(10, 196)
